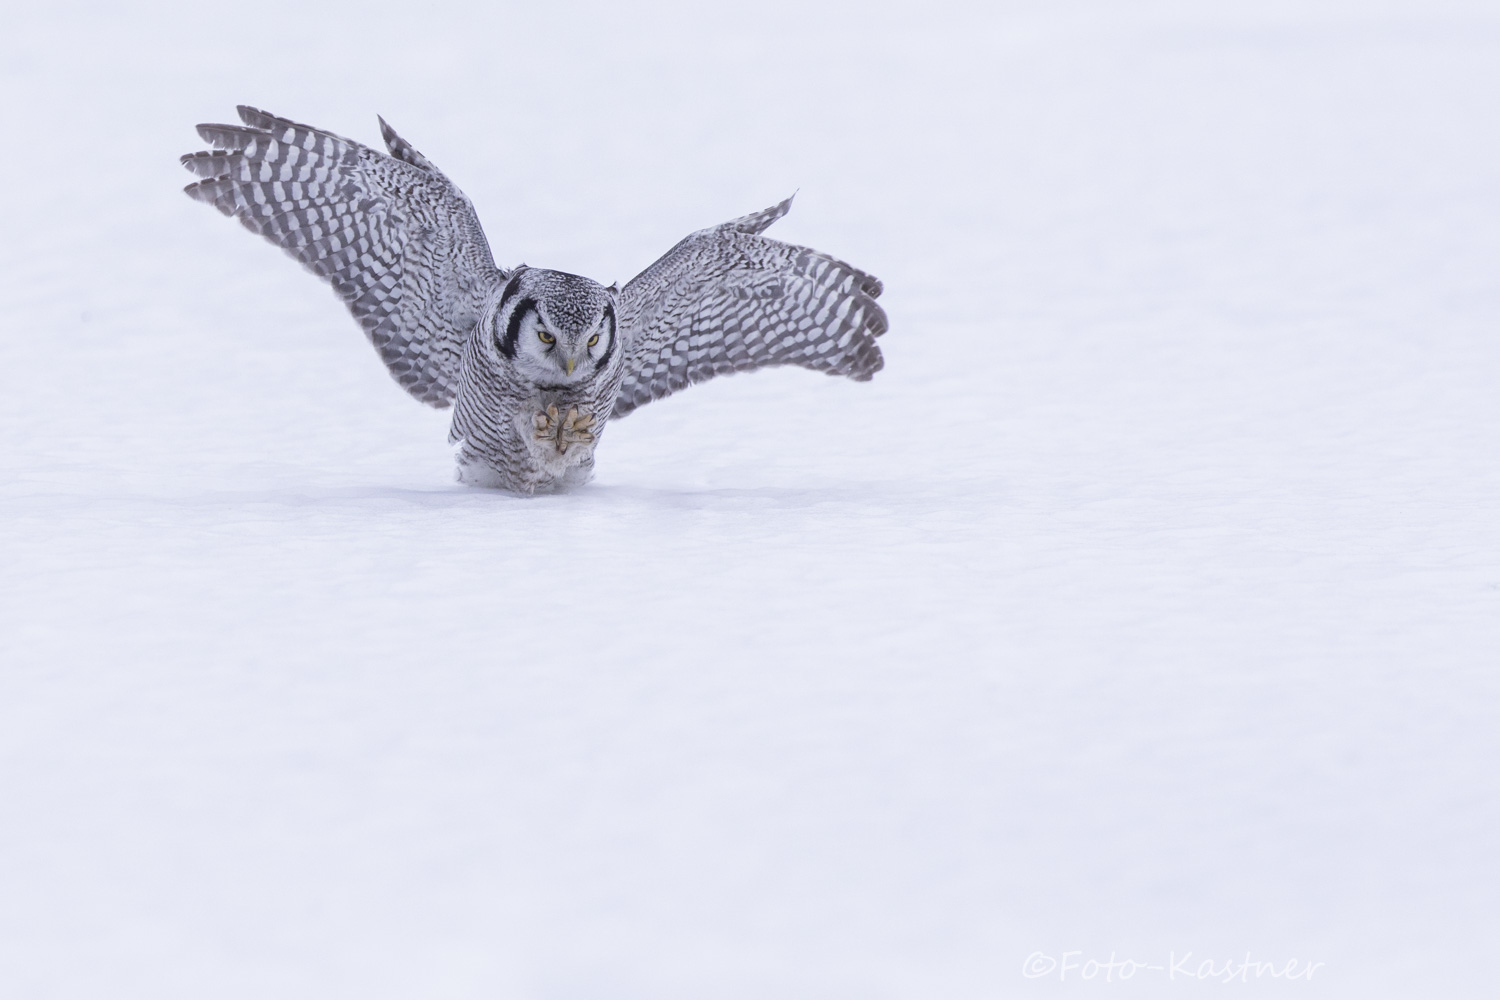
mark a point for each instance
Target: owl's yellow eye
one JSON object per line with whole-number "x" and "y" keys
{"x": 546, "y": 337}
{"x": 593, "y": 340}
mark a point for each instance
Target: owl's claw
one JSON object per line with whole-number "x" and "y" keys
{"x": 563, "y": 430}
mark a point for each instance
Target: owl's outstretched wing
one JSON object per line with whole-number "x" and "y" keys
{"x": 398, "y": 242}
{"x": 727, "y": 299}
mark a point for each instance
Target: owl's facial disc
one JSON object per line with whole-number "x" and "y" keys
{"x": 563, "y": 353}
{"x": 579, "y": 353}
{"x": 595, "y": 344}
{"x": 558, "y": 330}
{"x": 559, "y": 349}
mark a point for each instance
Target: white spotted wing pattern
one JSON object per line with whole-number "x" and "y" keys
{"x": 398, "y": 242}
{"x": 727, "y": 300}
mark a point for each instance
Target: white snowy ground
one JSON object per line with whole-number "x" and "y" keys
{"x": 1147, "y": 602}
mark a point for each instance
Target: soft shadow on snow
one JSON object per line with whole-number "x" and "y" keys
{"x": 223, "y": 499}
{"x": 596, "y": 496}
{"x": 884, "y": 495}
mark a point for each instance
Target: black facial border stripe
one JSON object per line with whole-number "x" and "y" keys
{"x": 609, "y": 314}
{"x": 507, "y": 343}
{"x": 508, "y": 291}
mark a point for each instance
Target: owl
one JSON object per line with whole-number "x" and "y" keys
{"x": 534, "y": 362}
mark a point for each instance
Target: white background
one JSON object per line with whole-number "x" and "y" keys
{"x": 1147, "y": 602}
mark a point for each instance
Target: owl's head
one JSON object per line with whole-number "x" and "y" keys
{"x": 558, "y": 328}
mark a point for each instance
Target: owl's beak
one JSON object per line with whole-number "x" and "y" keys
{"x": 570, "y": 364}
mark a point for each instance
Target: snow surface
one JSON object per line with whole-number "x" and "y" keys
{"x": 1147, "y": 602}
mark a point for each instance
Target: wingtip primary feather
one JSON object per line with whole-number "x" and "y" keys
{"x": 253, "y": 116}
{"x": 259, "y": 118}
{"x": 759, "y": 222}
{"x": 401, "y": 149}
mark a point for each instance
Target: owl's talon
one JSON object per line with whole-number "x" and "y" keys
{"x": 575, "y": 427}
{"x": 562, "y": 431}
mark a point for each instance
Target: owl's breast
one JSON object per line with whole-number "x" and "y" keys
{"x": 529, "y": 438}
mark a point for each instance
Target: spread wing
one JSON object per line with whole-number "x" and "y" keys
{"x": 398, "y": 242}
{"x": 727, "y": 300}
